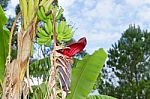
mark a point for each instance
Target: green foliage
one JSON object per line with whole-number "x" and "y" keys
{"x": 40, "y": 92}
{"x": 100, "y": 97}
{"x": 129, "y": 59}
{"x": 85, "y": 73}
{"x": 40, "y": 68}
{"x": 4, "y": 38}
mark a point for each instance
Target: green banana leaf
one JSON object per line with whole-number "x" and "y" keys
{"x": 85, "y": 74}
{"x": 100, "y": 97}
{"x": 40, "y": 92}
{"x": 4, "y": 39}
{"x": 40, "y": 68}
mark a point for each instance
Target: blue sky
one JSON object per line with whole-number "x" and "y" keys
{"x": 102, "y": 21}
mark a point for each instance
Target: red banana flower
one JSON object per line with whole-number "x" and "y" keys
{"x": 74, "y": 48}
{"x": 65, "y": 63}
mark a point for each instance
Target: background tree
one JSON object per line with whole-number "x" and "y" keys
{"x": 126, "y": 74}
{"x": 4, "y": 3}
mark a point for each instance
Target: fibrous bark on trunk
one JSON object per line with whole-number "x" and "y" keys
{"x": 15, "y": 71}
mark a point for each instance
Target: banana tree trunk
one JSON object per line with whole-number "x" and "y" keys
{"x": 15, "y": 71}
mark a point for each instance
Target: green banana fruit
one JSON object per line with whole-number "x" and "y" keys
{"x": 49, "y": 24}
{"x": 39, "y": 14}
{"x": 41, "y": 35}
{"x": 59, "y": 38}
{"x": 69, "y": 31}
{"x": 42, "y": 32}
{"x": 68, "y": 34}
{"x": 57, "y": 28}
{"x": 46, "y": 28}
{"x": 61, "y": 27}
{"x": 66, "y": 28}
{"x": 48, "y": 43}
{"x": 64, "y": 24}
{"x": 59, "y": 13}
{"x": 43, "y": 12}
{"x": 42, "y": 40}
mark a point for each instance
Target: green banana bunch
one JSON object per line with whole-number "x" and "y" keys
{"x": 56, "y": 11}
{"x": 44, "y": 10}
{"x": 64, "y": 31}
{"x": 45, "y": 34}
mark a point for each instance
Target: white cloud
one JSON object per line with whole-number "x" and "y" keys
{"x": 102, "y": 21}
{"x": 134, "y": 3}
{"x": 105, "y": 20}
{"x": 105, "y": 8}
{"x": 137, "y": 3}
{"x": 89, "y": 3}
{"x": 102, "y": 37}
{"x": 144, "y": 15}
{"x": 103, "y": 25}
{"x": 66, "y": 3}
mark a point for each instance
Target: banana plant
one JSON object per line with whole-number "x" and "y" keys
{"x": 61, "y": 58}
{"x": 85, "y": 71}
{"x": 15, "y": 70}
{"x": 58, "y": 32}
{"x": 65, "y": 81}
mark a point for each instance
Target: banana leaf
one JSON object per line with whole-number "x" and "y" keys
{"x": 4, "y": 39}
{"x": 84, "y": 75}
